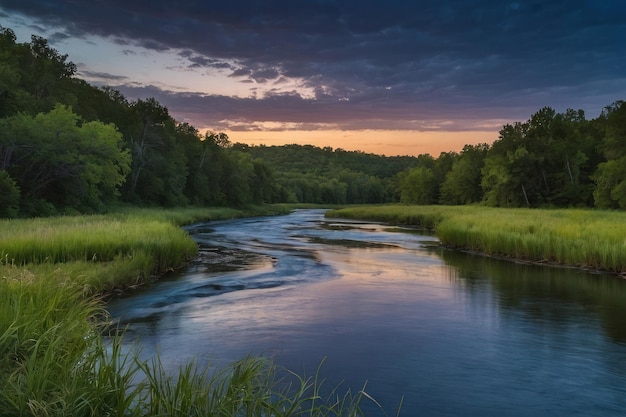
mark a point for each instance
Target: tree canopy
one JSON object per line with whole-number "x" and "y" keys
{"x": 67, "y": 146}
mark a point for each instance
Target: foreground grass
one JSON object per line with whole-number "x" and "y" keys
{"x": 574, "y": 237}
{"x": 53, "y": 362}
{"x": 53, "y": 358}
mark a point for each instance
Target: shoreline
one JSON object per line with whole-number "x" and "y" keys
{"x": 589, "y": 240}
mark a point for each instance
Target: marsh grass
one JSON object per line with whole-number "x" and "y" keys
{"x": 103, "y": 252}
{"x": 54, "y": 360}
{"x": 46, "y": 326}
{"x": 91, "y": 238}
{"x": 591, "y": 239}
{"x": 427, "y": 217}
{"x": 253, "y": 386}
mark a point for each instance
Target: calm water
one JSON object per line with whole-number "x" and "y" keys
{"x": 455, "y": 334}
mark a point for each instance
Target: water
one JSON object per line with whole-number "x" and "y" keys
{"x": 455, "y": 334}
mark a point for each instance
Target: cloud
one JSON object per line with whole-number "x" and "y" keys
{"x": 200, "y": 61}
{"x": 400, "y": 64}
{"x": 290, "y": 111}
{"x": 100, "y": 76}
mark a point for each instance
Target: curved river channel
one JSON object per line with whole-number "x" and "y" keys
{"x": 455, "y": 334}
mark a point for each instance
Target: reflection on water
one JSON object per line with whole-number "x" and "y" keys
{"x": 455, "y": 334}
{"x": 547, "y": 294}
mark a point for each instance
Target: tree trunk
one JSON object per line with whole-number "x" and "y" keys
{"x": 569, "y": 169}
{"x": 525, "y": 196}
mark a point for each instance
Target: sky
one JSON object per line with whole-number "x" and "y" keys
{"x": 388, "y": 77}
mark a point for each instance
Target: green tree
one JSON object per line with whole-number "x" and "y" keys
{"x": 442, "y": 166}
{"x": 9, "y": 196}
{"x": 610, "y": 190}
{"x": 544, "y": 161}
{"x": 159, "y": 166}
{"x": 9, "y": 73}
{"x": 610, "y": 177}
{"x": 235, "y": 181}
{"x": 419, "y": 186}
{"x": 613, "y": 120}
{"x": 462, "y": 184}
{"x": 56, "y": 158}
{"x": 30, "y": 74}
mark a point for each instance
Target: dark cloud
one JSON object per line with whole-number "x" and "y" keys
{"x": 241, "y": 72}
{"x": 101, "y": 75}
{"x": 370, "y": 62}
{"x": 58, "y": 37}
{"x": 291, "y": 111}
{"x": 200, "y": 61}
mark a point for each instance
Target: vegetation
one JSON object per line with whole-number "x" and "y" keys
{"x": 575, "y": 237}
{"x": 54, "y": 360}
{"x": 305, "y": 173}
{"x": 68, "y": 147}
{"x": 105, "y": 252}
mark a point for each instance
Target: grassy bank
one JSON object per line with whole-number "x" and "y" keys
{"x": 53, "y": 362}
{"x": 53, "y": 359}
{"x": 591, "y": 239}
{"x": 103, "y": 252}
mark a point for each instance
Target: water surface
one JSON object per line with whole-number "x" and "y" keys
{"x": 455, "y": 334}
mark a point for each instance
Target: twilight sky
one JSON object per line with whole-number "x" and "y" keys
{"x": 390, "y": 77}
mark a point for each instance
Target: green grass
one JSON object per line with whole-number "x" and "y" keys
{"x": 54, "y": 360}
{"x": 46, "y": 328}
{"x": 585, "y": 238}
{"x": 104, "y": 252}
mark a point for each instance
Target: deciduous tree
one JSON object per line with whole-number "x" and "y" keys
{"x": 56, "y": 158}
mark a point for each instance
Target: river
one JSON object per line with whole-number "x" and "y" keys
{"x": 453, "y": 333}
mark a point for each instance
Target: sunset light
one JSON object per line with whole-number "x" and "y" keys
{"x": 395, "y": 78}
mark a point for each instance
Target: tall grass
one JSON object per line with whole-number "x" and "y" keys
{"x": 427, "y": 217}
{"x": 575, "y": 237}
{"x": 249, "y": 387}
{"x": 54, "y": 360}
{"x": 46, "y": 329}
{"x": 103, "y": 252}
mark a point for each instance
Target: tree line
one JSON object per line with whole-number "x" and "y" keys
{"x": 551, "y": 160}
{"x": 67, "y": 146}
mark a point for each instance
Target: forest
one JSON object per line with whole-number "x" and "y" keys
{"x": 68, "y": 147}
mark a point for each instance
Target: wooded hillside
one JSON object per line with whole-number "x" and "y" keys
{"x": 67, "y": 146}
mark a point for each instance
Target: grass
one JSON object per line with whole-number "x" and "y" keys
{"x": 592, "y": 239}
{"x": 250, "y": 387}
{"x": 54, "y": 360}
{"x": 46, "y": 328}
{"x": 105, "y": 252}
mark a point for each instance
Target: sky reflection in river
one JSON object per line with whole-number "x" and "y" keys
{"x": 455, "y": 334}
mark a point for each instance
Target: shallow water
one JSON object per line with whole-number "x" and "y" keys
{"x": 455, "y": 334}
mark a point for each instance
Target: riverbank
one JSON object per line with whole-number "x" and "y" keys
{"x": 582, "y": 238}
{"x": 103, "y": 253}
{"x": 54, "y": 360}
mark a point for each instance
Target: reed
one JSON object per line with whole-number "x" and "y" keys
{"x": 585, "y": 238}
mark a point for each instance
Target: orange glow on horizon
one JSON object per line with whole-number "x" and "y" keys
{"x": 382, "y": 142}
